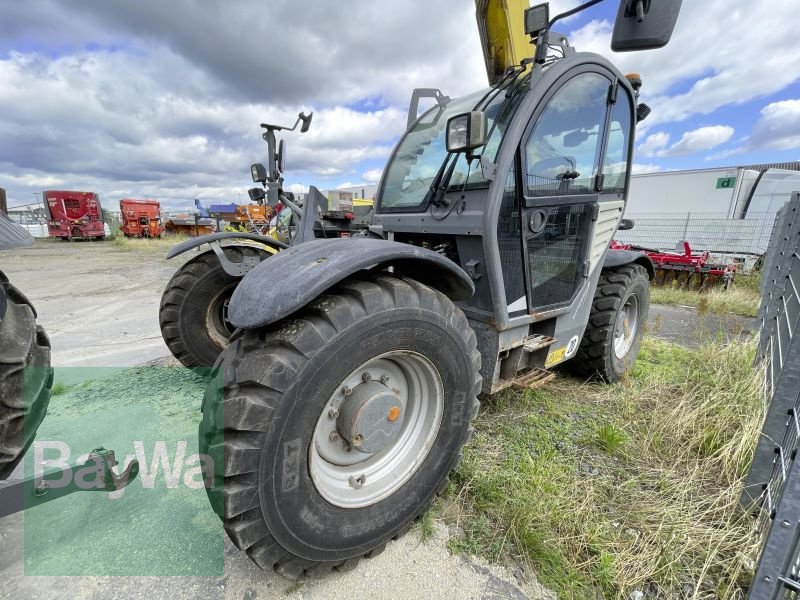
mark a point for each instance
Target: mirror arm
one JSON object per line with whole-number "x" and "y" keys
{"x": 541, "y": 48}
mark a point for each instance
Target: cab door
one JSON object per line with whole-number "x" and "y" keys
{"x": 568, "y": 213}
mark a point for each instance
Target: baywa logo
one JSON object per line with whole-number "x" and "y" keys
{"x": 193, "y": 471}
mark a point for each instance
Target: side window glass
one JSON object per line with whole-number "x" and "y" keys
{"x": 615, "y": 167}
{"x": 562, "y": 152}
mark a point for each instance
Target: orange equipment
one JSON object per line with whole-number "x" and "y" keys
{"x": 141, "y": 218}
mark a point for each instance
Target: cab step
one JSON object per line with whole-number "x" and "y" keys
{"x": 532, "y": 378}
{"x": 537, "y": 342}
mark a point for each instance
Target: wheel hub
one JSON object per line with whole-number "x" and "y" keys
{"x": 370, "y": 418}
{"x": 376, "y": 429}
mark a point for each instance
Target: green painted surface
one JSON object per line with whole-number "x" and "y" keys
{"x": 726, "y": 182}
{"x": 154, "y": 527}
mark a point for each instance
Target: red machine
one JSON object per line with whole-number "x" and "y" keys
{"x": 687, "y": 269}
{"x": 74, "y": 215}
{"x": 141, "y": 218}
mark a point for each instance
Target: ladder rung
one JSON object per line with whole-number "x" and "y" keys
{"x": 537, "y": 342}
{"x": 532, "y": 379}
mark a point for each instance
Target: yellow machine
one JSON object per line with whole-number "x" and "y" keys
{"x": 503, "y": 41}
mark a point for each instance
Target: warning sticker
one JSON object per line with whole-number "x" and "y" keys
{"x": 556, "y": 356}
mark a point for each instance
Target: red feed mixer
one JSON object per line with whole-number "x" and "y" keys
{"x": 687, "y": 270}
{"x": 74, "y": 215}
{"x": 141, "y": 218}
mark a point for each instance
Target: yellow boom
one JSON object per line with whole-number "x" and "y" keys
{"x": 502, "y": 29}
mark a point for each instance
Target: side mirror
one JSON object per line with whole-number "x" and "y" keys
{"x": 256, "y": 195}
{"x": 467, "y": 132}
{"x": 258, "y": 173}
{"x": 644, "y": 24}
{"x": 279, "y": 159}
{"x": 306, "y": 119}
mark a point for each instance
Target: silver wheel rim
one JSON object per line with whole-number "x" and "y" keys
{"x": 627, "y": 324}
{"x": 217, "y": 325}
{"x": 351, "y": 478}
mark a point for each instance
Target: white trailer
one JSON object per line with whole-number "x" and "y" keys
{"x": 729, "y": 212}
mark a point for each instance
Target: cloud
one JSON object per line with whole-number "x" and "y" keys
{"x": 164, "y": 99}
{"x": 372, "y": 176}
{"x": 704, "y": 66}
{"x": 697, "y": 140}
{"x": 640, "y": 169}
{"x": 653, "y": 143}
{"x": 778, "y": 128}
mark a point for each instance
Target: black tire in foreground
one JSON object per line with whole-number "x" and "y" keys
{"x": 617, "y": 321}
{"x": 349, "y": 366}
{"x": 193, "y": 311}
{"x": 25, "y": 375}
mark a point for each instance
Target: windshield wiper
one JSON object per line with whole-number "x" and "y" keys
{"x": 435, "y": 193}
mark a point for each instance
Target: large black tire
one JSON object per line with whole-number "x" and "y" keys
{"x": 273, "y": 385}
{"x": 25, "y": 375}
{"x": 617, "y": 288}
{"x": 191, "y": 314}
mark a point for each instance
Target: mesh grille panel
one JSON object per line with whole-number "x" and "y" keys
{"x": 556, "y": 254}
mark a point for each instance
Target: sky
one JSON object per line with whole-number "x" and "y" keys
{"x": 164, "y": 99}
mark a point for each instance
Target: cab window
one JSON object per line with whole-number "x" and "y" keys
{"x": 562, "y": 152}
{"x": 615, "y": 165}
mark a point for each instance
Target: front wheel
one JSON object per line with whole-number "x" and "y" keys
{"x": 25, "y": 375}
{"x": 617, "y": 320}
{"x": 332, "y": 430}
{"x": 194, "y": 306}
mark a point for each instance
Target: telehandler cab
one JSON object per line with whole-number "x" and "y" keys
{"x": 348, "y": 386}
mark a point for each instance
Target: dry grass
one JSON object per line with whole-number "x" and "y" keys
{"x": 147, "y": 244}
{"x": 606, "y": 490}
{"x": 743, "y": 298}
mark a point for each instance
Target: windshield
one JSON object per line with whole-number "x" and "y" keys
{"x": 421, "y": 154}
{"x": 422, "y": 151}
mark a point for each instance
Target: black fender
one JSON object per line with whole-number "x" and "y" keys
{"x": 225, "y": 235}
{"x": 292, "y": 278}
{"x": 618, "y": 258}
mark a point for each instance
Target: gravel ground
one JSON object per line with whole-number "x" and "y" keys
{"x": 100, "y": 306}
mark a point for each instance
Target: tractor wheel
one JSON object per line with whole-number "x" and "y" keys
{"x": 332, "y": 430}
{"x": 25, "y": 375}
{"x": 194, "y": 306}
{"x": 613, "y": 335}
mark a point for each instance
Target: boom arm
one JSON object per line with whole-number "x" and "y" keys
{"x": 503, "y": 39}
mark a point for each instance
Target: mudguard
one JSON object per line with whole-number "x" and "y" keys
{"x": 617, "y": 258}
{"x": 292, "y": 278}
{"x": 213, "y": 237}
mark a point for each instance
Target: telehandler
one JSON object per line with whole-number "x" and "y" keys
{"x": 353, "y": 359}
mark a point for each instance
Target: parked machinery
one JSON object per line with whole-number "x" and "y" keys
{"x": 141, "y": 218}
{"x": 685, "y": 268}
{"x": 74, "y": 215}
{"x": 348, "y": 386}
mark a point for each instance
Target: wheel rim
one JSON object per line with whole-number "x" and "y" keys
{"x": 376, "y": 429}
{"x": 626, "y": 327}
{"x": 218, "y": 326}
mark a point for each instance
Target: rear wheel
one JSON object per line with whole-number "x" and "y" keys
{"x": 332, "y": 430}
{"x": 194, "y": 306}
{"x": 25, "y": 375}
{"x": 613, "y": 335}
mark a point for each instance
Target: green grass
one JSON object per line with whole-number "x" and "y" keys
{"x": 605, "y": 490}
{"x": 743, "y": 298}
{"x": 58, "y": 388}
